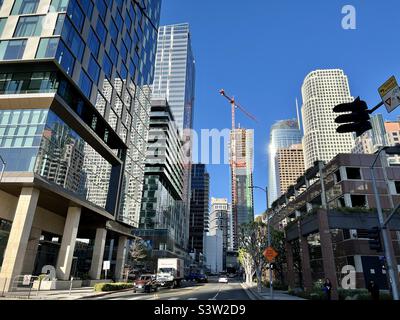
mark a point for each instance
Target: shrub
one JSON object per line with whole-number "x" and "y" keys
{"x": 107, "y": 287}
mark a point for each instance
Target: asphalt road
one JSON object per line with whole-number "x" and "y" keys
{"x": 208, "y": 291}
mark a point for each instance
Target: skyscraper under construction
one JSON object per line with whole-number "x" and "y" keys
{"x": 242, "y": 156}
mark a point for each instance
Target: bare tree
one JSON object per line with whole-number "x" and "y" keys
{"x": 253, "y": 239}
{"x": 137, "y": 250}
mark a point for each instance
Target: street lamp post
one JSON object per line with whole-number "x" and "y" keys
{"x": 392, "y": 268}
{"x": 271, "y": 287}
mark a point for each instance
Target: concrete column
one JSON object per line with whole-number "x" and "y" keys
{"x": 19, "y": 236}
{"x": 67, "y": 248}
{"x": 328, "y": 256}
{"x": 121, "y": 257}
{"x": 290, "y": 265}
{"x": 305, "y": 264}
{"x": 98, "y": 254}
{"x": 31, "y": 251}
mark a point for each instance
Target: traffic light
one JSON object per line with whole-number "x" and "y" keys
{"x": 375, "y": 242}
{"x": 357, "y": 117}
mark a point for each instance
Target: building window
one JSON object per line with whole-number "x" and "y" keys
{"x": 3, "y": 22}
{"x": 338, "y": 176}
{"x": 12, "y": 49}
{"x": 358, "y": 201}
{"x": 94, "y": 43}
{"x": 397, "y": 186}
{"x": 47, "y": 48}
{"x": 58, "y": 5}
{"x": 73, "y": 40}
{"x": 29, "y": 26}
{"x": 65, "y": 58}
{"x": 353, "y": 173}
{"x": 107, "y": 66}
{"x": 85, "y": 84}
{"x": 59, "y": 24}
{"x": 94, "y": 69}
{"x": 25, "y": 7}
{"x": 76, "y": 15}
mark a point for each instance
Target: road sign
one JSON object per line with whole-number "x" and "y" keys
{"x": 27, "y": 280}
{"x": 106, "y": 265}
{"x": 270, "y": 254}
{"x": 390, "y": 93}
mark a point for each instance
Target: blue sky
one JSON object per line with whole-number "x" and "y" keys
{"x": 261, "y": 50}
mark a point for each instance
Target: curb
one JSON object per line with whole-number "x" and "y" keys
{"x": 103, "y": 294}
{"x": 250, "y": 293}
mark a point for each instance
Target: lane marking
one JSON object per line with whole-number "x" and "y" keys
{"x": 175, "y": 298}
{"x": 193, "y": 299}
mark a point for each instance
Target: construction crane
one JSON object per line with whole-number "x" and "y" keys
{"x": 234, "y": 163}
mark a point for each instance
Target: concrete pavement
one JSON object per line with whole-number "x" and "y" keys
{"x": 265, "y": 294}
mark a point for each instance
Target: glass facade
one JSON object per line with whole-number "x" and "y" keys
{"x": 174, "y": 77}
{"x": 284, "y": 134}
{"x": 107, "y": 57}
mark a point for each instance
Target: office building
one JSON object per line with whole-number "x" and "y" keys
{"x": 290, "y": 165}
{"x": 174, "y": 80}
{"x": 284, "y": 134}
{"x": 74, "y": 109}
{"x": 162, "y": 221}
{"x": 322, "y": 90}
{"x": 199, "y": 209}
{"x": 220, "y": 221}
{"x": 242, "y": 148}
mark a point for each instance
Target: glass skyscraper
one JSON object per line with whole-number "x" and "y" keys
{"x": 174, "y": 77}
{"x": 284, "y": 134}
{"x": 75, "y": 88}
{"x": 174, "y": 80}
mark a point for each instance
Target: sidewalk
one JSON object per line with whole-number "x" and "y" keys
{"x": 76, "y": 294}
{"x": 265, "y": 294}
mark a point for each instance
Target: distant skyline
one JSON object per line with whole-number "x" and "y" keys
{"x": 261, "y": 53}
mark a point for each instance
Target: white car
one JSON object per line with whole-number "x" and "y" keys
{"x": 223, "y": 279}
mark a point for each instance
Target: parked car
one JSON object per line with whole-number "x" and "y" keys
{"x": 223, "y": 279}
{"x": 146, "y": 283}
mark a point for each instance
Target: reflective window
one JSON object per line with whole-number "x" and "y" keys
{"x": 28, "y": 82}
{"x": 107, "y": 66}
{"x": 94, "y": 69}
{"x": 58, "y": 5}
{"x": 3, "y": 22}
{"x": 20, "y": 136}
{"x": 113, "y": 53}
{"x": 59, "y": 24}
{"x": 101, "y": 30}
{"x": 94, "y": 43}
{"x": 73, "y": 40}
{"x": 85, "y": 84}
{"x": 65, "y": 58}
{"x": 101, "y": 6}
{"x": 12, "y": 49}
{"x": 47, "y": 48}
{"x": 29, "y": 26}
{"x": 76, "y": 15}
{"x": 25, "y": 6}
{"x": 113, "y": 31}
{"x": 87, "y": 6}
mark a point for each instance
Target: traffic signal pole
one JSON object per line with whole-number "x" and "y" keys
{"x": 390, "y": 259}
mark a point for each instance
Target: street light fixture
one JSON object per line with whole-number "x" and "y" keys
{"x": 271, "y": 288}
{"x": 392, "y": 268}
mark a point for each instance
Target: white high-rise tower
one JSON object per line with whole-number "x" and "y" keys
{"x": 323, "y": 90}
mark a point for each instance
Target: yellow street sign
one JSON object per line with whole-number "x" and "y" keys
{"x": 388, "y": 86}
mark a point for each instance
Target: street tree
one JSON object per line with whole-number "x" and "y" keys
{"x": 253, "y": 239}
{"x": 278, "y": 243}
{"x": 137, "y": 251}
{"x": 248, "y": 265}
